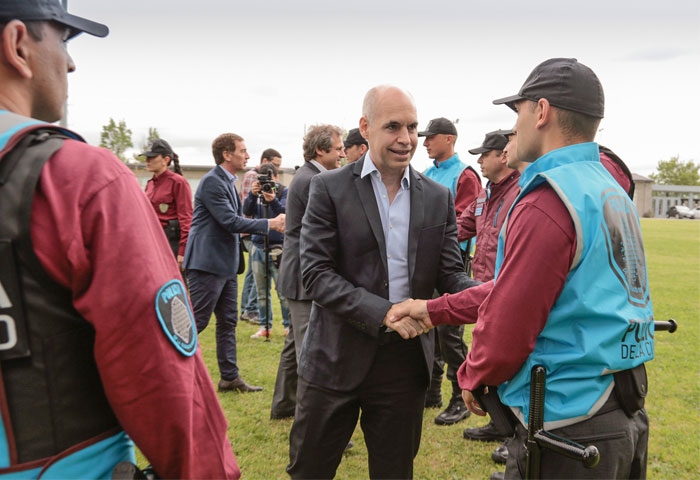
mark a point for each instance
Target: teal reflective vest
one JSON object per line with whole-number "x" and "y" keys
{"x": 602, "y": 321}
{"x": 447, "y": 173}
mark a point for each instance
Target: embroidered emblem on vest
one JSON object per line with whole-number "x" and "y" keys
{"x": 625, "y": 251}
{"x": 163, "y": 207}
{"x": 176, "y": 318}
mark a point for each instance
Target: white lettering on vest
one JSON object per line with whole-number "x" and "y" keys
{"x": 4, "y": 298}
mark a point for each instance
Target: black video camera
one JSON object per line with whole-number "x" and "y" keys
{"x": 267, "y": 184}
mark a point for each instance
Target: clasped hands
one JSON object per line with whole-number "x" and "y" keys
{"x": 278, "y": 223}
{"x": 409, "y": 318}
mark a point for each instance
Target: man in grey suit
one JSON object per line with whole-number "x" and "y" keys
{"x": 323, "y": 150}
{"x": 374, "y": 233}
{"x": 213, "y": 249}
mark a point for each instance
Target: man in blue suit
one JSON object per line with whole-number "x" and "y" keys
{"x": 212, "y": 256}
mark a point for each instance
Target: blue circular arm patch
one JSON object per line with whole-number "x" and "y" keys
{"x": 176, "y": 318}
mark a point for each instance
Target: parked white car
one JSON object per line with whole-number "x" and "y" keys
{"x": 677, "y": 211}
{"x": 694, "y": 213}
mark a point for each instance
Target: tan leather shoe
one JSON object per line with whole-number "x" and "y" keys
{"x": 237, "y": 385}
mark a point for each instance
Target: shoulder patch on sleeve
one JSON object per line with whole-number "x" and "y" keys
{"x": 176, "y": 318}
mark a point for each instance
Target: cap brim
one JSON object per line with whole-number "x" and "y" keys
{"x": 426, "y": 134}
{"x": 509, "y": 101}
{"x": 148, "y": 154}
{"x": 79, "y": 25}
{"x": 478, "y": 151}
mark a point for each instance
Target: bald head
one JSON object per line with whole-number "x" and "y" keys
{"x": 381, "y": 94}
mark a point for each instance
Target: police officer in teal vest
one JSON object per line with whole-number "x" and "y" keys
{"x": 571, "y": 291}
{"x": 98, "y": 348}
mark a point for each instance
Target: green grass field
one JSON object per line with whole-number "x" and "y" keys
{"x": 673, "y": 254}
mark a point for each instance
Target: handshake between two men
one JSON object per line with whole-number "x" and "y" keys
{"x": 409, "y": 319}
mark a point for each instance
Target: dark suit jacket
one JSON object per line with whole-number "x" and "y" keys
{"x": 213, "y": 242}
{"x": 344, "y": 269}
{"x": 289, "y": 276}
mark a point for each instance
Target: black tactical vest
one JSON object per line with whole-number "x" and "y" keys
{"x": 50, "y": 384}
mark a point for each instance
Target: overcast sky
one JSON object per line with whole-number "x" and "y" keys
{"x": 269, "y": 69}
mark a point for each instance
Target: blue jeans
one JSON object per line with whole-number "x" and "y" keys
{"x": 249, "y": 295}
{"x": 258, "y": 264}
{"x": 209, "y": 294}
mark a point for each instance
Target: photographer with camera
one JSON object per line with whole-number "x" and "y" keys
{"x": 267, "y": 198}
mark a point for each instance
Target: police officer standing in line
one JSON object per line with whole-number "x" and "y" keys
{"x": 587, "y": 306}
{"x": 464, "y": 184}
{"x": 170, "y": 194}
{"x": 102, "y": 346}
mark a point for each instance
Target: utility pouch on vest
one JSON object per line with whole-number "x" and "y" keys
{"x": 631, "y": 387}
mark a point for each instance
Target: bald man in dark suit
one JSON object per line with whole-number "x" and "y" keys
{"x": 374, "y": 233}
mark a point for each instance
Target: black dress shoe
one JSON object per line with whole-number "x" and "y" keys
{"x": 487, "y": 433}
{"x": 237, "y": 385}
{"x": 455, "y": 412}
{"x": 500, "y": 455}
{"x": 497, "y": 476}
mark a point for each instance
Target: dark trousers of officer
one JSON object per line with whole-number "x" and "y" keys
{"x": 451, "y": 349}
{"x": 172, "y": 232}
{"x": 621, "y": 440}
{"x": 389, "y": 404}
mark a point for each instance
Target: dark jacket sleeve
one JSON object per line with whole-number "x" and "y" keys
{"x": 334, "y": 271}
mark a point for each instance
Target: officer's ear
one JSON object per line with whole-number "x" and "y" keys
{"x": 17, "y": 47}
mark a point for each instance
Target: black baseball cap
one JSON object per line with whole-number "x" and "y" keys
{"x": 49, "y": 10}
{"x": 439, "y": 126}
{"x": 158, "y": 147}
{"x": 566, "y": 84}
{"x": 354, "y": 138}
{"x": 496, "y": 140}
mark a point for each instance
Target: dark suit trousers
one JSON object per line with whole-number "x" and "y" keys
{"x": 285, "y": 397}
{"x": 209, "y": 294}
{"x": 284, "y": 400}
{"x": 300, "y": 311}
{"x": 389, "y": 403}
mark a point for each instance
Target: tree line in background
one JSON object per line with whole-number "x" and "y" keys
{"x": 117, "y": 137}
{"x": 676, "y": 172}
